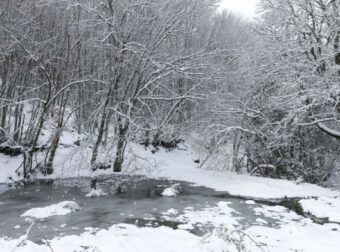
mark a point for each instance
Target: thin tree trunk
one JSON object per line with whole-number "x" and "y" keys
{"x": 56, "y": 138}
{"x": 17, "y": 123}
{"x": 236, "y": 148}
{"x": 121, "y": 143}
{"x": 101, "y": 127}
{"x": 3, "y": 124}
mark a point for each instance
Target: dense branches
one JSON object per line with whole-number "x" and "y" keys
{"x": 133, "y": 66}
{"x": 159, "y": 71}
{"x": 288, "y": 112}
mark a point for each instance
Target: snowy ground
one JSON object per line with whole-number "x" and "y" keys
{"x": 124, "y": 238}
{"x": 179, "y": 165}
{"x": 294, "y": 233}
{"x": 323, "y": 207}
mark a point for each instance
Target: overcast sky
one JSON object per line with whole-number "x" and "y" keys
{"x": 245, "y": 8}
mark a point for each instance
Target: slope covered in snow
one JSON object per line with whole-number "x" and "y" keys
{"x": 179, "y": 165}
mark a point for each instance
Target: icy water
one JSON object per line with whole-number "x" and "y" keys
{"x": 133, "y": 200}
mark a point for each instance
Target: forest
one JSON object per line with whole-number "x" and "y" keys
{"x": 105, "y": 87}
{"x": 160, "y": 71}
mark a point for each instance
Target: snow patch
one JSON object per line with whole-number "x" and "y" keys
{"x": 172, "y": 191}
{"x": 62, "y": 208}
{"x": 221, "y": 214}
{"x": 323, "y": 207}
{"x": 250, "y": 202}
{"x": 123, "y": 237}
{"x": 8, "y": 166}
{"x": 96, "y": 193}
{"x": 171, "y": 211}
{"x": 294, "y": 233}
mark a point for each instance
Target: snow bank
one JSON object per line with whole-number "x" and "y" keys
{"x": 175, "y": 165}
{"x": 8, "y": 165}
{"x": 179, "y": 165}
{"x": 294, "y": 233}
{"x": 123, "y": 237}
{"x": 62, "y": 208}
{"x": 323, "y": 207}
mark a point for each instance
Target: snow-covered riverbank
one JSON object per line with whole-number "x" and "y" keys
{"x": 176, "y": 165}
{"x": 293, "y": 231}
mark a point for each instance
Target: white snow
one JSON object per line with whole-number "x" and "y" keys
{"x": 178, "y": 165}
{"x": 294, "y": 233}
{"x": 250, "y": 202}
{"x": 323, "y": 207}
{"x": 171, "y": 211}
{"x": 330, "y": 131}
{"x": 171, "y": 191}
{"x": 123, "y": 238}
{"x": 221, "y": 214}
{"x": 8, "y": 165}
{"x": 291, "y": 232}
{"x": 260, "y": 220}
{"x": 69, "y": 137}
{"x": 62, "y": 208}
{"x": 96, "y": 193}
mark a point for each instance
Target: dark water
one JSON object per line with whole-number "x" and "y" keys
{"x": 128, "y": 199}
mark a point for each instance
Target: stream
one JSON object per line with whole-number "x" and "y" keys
{"x": 129, "y": 199}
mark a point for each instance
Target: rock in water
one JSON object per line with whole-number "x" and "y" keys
{"x": 172, "y": 191}
{"x": 96, "y": 193}
{"x": 62, "y": 208}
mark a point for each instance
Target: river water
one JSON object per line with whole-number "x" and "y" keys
{"x": 129, "y": 199}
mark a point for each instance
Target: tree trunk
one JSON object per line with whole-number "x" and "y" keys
{"x": 56, "y": 138}
{"x": 3, "y": 124}
{"x": 29, "y": 155}
{"x": 101, "y": 127}
{"x": 236, "y": 148}
{"x": 17, "y": 122}
{"x": 54, "y": 146}
{"x": 121, "y": 143}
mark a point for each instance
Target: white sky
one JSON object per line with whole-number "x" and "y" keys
{"x": 245, "y": 8}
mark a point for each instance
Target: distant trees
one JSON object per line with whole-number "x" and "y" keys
{"x": 288, "y": 112}
{"x": 36, "y": 76}
{"x": 131, "y": 66}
